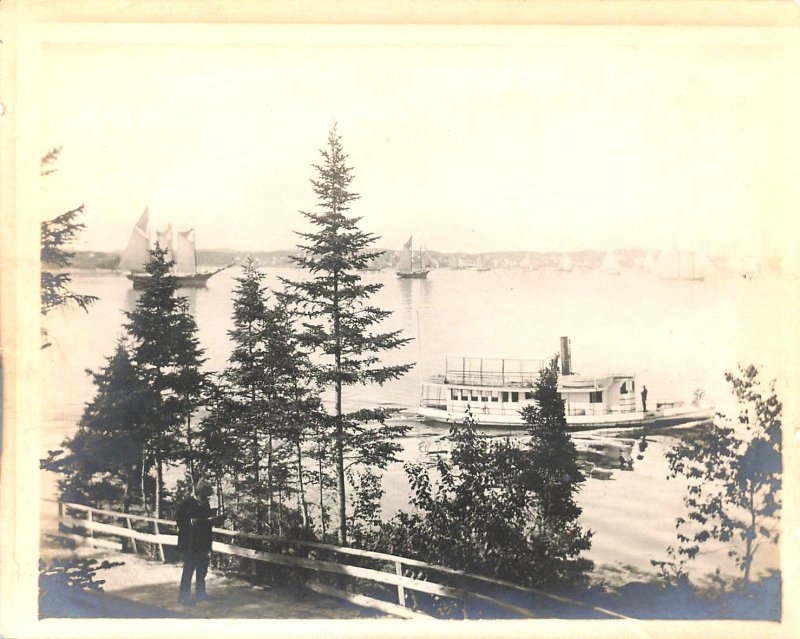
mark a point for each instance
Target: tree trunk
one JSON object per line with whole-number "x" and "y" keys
{"x": 301, "y": 490}
{"x": 256, "y": 480}
{"x": 238, "y": 492}
{"x": 321, "y": 501}
{"x": 126, "y": 502}
{"x": 159, "y": 483}
{"x": 751, "y": 531}
{"x": 145, "y": 504}
{"x": 339, "y": 425}
{"x": 190, "y": 452}
{"x": 340, "y": 478}
{"x": 270, "y": 488}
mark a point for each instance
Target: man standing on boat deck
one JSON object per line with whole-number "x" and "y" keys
{"x": 195, "y": 519}
{"x": 644, "y": 399}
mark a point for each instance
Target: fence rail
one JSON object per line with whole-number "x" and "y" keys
{"x": 397, "y": 577}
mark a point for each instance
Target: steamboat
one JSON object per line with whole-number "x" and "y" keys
{"x": 495, "y": 390}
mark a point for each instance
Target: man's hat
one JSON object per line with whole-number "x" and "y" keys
{"x": 203, "y": 485}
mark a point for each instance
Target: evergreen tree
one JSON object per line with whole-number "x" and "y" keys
{"x": 217, "y": 450}
{"x": 555, "y": 477}
{"x": 270, "y": 399}
{"x": 295, "y": 396}
{"x": 168, "y": 359}
{"x": 340, "y": 321}
{"x": 56, "y": 234}
{"x": 245, "y": 384}
{"x": 104, "y": 459}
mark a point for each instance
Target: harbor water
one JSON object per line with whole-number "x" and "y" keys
{"x": 675, "y": 336}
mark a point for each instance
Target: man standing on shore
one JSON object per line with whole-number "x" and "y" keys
{"x": 644, "y": 399}
{"x": 195, "y": 519}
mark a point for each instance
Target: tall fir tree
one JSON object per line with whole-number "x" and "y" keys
{"x": 340, "y": 323}
{"x": 271, "y": 402}
{"x": 102, "y": 466}
{"x": 554, "y": 478}
{"x": 245, "y": 384}
{"x": 295, "y": 397}
{"x": 168, "y": 360}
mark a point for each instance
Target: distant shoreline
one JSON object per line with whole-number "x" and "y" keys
{"x": 108, "y": 261}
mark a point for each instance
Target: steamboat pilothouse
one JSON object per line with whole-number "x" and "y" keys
{"x": 494, "y": 390}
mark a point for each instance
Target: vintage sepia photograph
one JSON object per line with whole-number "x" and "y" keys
{"x": 441, "y": 323}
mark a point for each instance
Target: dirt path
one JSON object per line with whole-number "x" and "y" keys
{"x": 143, "y": 588}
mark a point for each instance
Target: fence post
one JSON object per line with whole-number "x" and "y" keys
{"x": 159, "y": 544}
{"x": 133, "y": 540}
{"x": 401, "y": 592}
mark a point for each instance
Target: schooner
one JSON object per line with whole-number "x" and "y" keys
{"x": 180, "y": 249}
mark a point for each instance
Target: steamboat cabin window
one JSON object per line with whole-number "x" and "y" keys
{"x": 453, "y": 393}
{"x": 495, "y": 396}
{"x": 505, "y": 396}
{"x": 484, "y": 396}
{"x": 596, "y": 397}
{"x": 464, "y": 396}
{"x": 528, "y": 394}
{"x": 515, "y": 396}
{"x": 623, "y": 390}
{"x": 474, "y": 395}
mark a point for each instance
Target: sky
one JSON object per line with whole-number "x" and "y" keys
{"x": 470, "y": 144}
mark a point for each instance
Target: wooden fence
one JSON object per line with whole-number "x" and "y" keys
{"x": 83, "y": 524}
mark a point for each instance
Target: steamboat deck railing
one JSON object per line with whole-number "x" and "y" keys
{"x": 108, "y": 529}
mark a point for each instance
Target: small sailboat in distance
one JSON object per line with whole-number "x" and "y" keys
{"x": 410, "y": 268}
{"x": 610, "y": 264}
{"x": 649, "y": 262}
{"x": 682, "y": 265}
{"x": 566, "y": 263}
{"x": 180, "y": 249}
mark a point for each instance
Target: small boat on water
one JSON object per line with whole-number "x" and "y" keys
{"x": 566, "y": 263}
{"x": 610, "y": 264}
{"x": 181, "y": 250}
{"x": 413, "y": 266}
{"x": 494, "y": 390}
{"x": 682, "y": 265}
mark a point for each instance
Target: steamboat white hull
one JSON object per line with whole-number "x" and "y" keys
{"x": 660, "y": 417}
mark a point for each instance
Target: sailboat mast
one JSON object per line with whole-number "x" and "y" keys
{"x": 194, "y": 248}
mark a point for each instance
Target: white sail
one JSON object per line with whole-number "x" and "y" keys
{"x": 610, "y": 264}
{"x": 137, "y": 251}
{"x": 668, "y": 264}
{"x": 404, "y": 259}
{"x": 692, "y": 266}
{"x": 427, "y": 260}
{"x": 682, "y": 265}
{"x": 185, "y": 255}
{"x": 164, "y": 240}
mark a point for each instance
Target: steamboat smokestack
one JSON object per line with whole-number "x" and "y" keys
{"x": 566, "y": 357}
